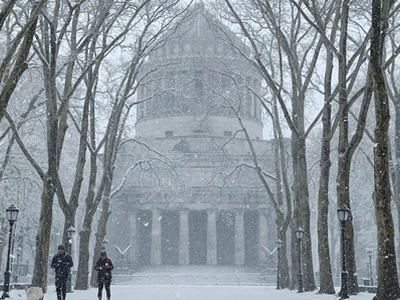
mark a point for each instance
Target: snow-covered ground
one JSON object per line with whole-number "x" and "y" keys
{"x": 157, "y": 292}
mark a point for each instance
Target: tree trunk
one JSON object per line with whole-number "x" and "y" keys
{"x": 343, "y": 183}
{"x": 92, "y": 203}
{"x": 344, "y": 151}
{"x": 39, "y": 277}
{"x": 325, "y": 269}
{"x": 388, "y": 284}
{"x": 100, "y": 235}
{"x": 395, "y": 157}
{"x": 351, "y": 258}
{"x": 326, "y": 281}
{"x": 293, "y": 257}
{"x": 302, "y": 208}
{"x": 82, "y": 276}
{"x": 282, "y": 169}
{"x": 284, "y": 264}
{"x": 50, "y": 179}
{"x": 81, "y": 282}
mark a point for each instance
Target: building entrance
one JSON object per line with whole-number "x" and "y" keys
{"x": 144, "y": 237}
{"x": 170, "y": 238}
{"x": 225, "y": 238}
{"x": 198, "y": 238}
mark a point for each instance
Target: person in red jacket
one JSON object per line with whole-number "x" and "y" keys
{"x": 104, "y": 267}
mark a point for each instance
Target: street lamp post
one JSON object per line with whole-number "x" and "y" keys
{"x": 70, "y": 232}
{"x": 16, "y": 272}
{"x": 104, "y": 244}
{"x": 343, "y": 214}
{"x": 299, "y": 235}
{"x": 12, "y": 215}
{"x": 278, "y": 271}
{"x": 371, "y": 278}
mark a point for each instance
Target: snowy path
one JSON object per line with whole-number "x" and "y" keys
{"x": 135, "y": 292}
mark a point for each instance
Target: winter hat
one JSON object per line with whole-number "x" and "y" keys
{"x": 103, "y": 253}
{"x": 61, "y": 247}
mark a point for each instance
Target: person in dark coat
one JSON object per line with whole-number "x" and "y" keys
{"x": 104, "y": 267}
{"x": 62, "y": 263}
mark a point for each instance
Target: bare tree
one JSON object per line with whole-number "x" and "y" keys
{"x": 394, "y": 97}
{"x": 288, "y": 44}
{"x": 153, "y": 19}
{"x": 388, "y": 284}
{"x": 50, "y": 41}
{"x": 346, "y": 145}
{"x": 326, "y": 280}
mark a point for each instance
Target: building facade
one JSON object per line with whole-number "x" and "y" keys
{"x": 191, "y": 194}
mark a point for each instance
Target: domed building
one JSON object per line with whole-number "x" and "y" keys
{"x": 192, "y": 195}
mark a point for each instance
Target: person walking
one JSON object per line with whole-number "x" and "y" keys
{"x": 62, "y": 264}
{"x": 104, "y": 267}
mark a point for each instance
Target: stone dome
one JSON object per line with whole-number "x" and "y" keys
{"x": 194, "y": 82}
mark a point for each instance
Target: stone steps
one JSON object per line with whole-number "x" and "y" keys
{"x": 195, "y": 275}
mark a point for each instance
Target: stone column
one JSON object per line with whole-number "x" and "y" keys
{"x": 184, "y": 237}
{"x": 211, "y": 237}
{"x": 156, "y": 238}
{"x": 263, "y": 238}
{"x": 133, "y": 239}
{"x": 239, "y": 238}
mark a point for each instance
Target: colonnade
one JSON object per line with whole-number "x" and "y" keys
{"x": 212, "y": 236}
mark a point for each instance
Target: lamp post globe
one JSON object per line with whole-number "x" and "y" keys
{"x": 278, "y": 268}
{"x": 343, "y": 215}
{"x": 12, "y": 215}
{"x": 70, "y": 233}
{"x": 104, "y": 244}
{"x": 299, "y": 236}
